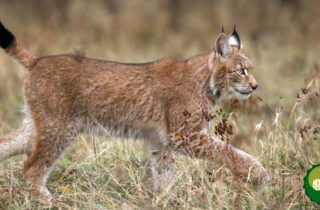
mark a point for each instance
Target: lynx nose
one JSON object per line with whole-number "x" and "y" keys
{"x": 255, "y": 87}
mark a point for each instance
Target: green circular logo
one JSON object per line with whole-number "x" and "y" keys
{"x": 312, "y": 183}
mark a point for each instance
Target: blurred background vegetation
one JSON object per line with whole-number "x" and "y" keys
{"x": 281, "y": 37}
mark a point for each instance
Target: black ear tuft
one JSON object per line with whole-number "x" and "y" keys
{"x": 222, "y": 29}
{"x": 6, "y": 37}
{"x": 234, "y": 39}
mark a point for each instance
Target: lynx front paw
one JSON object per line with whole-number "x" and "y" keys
{"x": 257, "y": 174}
{"x": 254, "y": 172}
{"x": 246, "y": 166}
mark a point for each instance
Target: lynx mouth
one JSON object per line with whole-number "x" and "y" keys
{"x": 244, "y": 92}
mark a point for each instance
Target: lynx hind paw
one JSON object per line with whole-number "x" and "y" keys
{"x": 42, "y": 194}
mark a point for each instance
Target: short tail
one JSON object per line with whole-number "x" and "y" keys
{"x": 9, "y": 43}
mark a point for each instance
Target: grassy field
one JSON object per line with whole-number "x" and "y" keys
{"x": 280, "y": 125}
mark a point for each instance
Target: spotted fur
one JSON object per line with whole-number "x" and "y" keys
{"x": 162, "y": 102}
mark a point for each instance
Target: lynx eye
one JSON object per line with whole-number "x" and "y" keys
{"x": 242, "y": 71}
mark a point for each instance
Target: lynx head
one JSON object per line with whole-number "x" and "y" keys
{"x": 231, "y": 69}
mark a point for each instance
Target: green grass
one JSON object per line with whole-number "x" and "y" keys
{"x": 117, "y": 176}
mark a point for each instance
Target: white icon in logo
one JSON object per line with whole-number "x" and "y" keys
{"x": 316, "y": 184}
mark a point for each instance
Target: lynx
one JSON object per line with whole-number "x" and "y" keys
{"x": 164, "y": 102}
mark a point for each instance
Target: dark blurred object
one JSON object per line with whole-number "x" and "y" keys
{"x": 252, "y": 105}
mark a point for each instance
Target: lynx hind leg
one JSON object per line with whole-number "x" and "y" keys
{"x": 162, "y": 168}
{"x": 50, "y": 142}
{"x": 17, "y": 142}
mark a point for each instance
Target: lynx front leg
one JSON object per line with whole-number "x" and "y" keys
{"x": 162, "y": 168}
{"x": 203, "y": 146}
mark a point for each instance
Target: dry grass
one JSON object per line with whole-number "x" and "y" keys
{"x": 281, "y": 37}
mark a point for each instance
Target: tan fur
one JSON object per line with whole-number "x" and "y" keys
{"x": 17, "y": 142}
{"x": 21, "y": 55}
{"x": 66, "y": 95}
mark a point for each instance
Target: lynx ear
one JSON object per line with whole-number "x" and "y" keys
{"x": 222, "y": 45}
{"x": 234, "y": 39}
